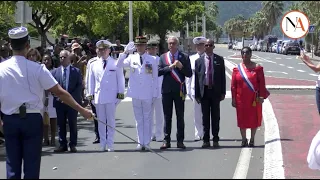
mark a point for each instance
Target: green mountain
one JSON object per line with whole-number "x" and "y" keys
{"x": 230, "y": 9}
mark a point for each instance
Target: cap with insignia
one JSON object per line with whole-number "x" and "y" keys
{"x": 140, "y": 40}
{"x": 18, "y": 33}
{"x": 152, "y": 44}
{"x": 75, "y": 46}
{"x": 199, "y": 40}
{"x": 103, "y": 44}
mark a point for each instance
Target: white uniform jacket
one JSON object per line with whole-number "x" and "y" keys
{"x": 106, "y": 83}
{"x": 88, "y": 75}
{"x": 143, "y": 84}
{"x": 190, "y": 82}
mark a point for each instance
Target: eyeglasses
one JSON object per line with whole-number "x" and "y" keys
{"x": 208, "y": 45}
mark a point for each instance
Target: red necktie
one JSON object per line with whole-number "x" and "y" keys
{"x": 172, "y": 60}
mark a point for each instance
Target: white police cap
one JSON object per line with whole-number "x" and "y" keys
{"x": 18, "y": 33}
{"x": 199, "y": 40}
{"x": 103, "y": 44}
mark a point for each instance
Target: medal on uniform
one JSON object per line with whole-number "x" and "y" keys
{"x": 148, "y": 68}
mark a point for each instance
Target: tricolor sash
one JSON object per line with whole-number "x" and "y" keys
{"x": 175, "y": 75}
{"x": 247, "y": 81}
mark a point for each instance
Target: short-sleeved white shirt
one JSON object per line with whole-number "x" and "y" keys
{"x": 23, "y": 81}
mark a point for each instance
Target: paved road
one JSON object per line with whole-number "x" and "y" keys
{"x": 278, "y": 65}
{"x": 193, "y": 162}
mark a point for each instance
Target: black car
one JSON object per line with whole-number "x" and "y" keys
{"x": 230, "y": 45}
{"x": 292, "y": 48}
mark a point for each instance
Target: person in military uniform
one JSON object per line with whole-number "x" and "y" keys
{"x": 106, "y": 83}
{"x": 198, "y": 127}
{"x": 142, "y": 87}
{"x": 157, "y": 109}
{"x": 22, "y": 83}
{"x": 96, "y": 131}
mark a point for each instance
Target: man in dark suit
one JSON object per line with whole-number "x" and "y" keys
{"x": 70, "y": 79}
{"x": 175, "y": 67}
{"x": 210, "y": 89}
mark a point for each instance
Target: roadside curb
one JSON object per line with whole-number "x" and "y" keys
{"x": 287, "y": 87}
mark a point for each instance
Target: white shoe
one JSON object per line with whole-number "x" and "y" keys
{"x": 110, "y": 150}
{"x": 139, "y": 147}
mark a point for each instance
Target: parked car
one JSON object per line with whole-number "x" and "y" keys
{"x": 291, "y": 48}
{"x": 274, "y": 48}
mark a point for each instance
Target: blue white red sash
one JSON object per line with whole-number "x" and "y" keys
{"x": 245, "y": 77}
{"x": 175, "y": 75}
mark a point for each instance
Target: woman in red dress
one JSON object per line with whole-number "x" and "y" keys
{"x": 248, "y": 91}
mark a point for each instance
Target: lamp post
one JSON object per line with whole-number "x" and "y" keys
{"x": 130, "y": 22}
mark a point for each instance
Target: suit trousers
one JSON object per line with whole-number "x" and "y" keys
{"x": 157, "y": 110}
{"x": 96, "y": 131}
{"x": 167, "y": 101}
{"x": 106, "y": 113}
{"x": 23, "y": 145}
{"x": 210, "y": 105}
{"x": 65, "y": 112}
{"x": 142, "y": 112}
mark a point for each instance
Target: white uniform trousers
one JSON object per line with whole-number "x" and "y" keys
{"x": 142, "y": 112}
{"x": 198, "y": 127}
{"x": 157, "y": 120}
{"x": 106, "y": 113}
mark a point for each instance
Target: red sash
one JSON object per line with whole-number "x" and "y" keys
{"x": 175, "y": 76}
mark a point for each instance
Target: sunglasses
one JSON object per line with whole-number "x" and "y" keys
{"x": 208, "y": 45}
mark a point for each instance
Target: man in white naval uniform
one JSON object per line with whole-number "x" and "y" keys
{"x": 106, "y": 84}
{"x": 142, "y": 87}
{"x": 157, "y": 108}
{"x": 198, "y": 127}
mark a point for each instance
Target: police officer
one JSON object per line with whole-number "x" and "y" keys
{"x": 198, "y": 127}
{"x": 22, "y": 83}
{"x": 97, "y": 139}
{"x": 157, "y": 109}
{"x": 142, "y": 88}
{"x": 106, "y": 82}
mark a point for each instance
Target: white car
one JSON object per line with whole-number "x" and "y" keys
{"x": 274, "y": 48}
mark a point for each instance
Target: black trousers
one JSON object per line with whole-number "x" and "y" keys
{"x": 167, "y": 102}
{"x": 210, "y": 105}
{"x": 95, "y": 121}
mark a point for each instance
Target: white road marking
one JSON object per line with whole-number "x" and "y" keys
{"x": 290, "y": 67}
{"x": 288, "y": 58}
{"x": 281, "y": 64}
{"x": 276, "y": 72}
{"x": 244, "y": 161}
{"x": 275, "y": 87}
{"x": 301, "y": 70}
{"x": 314, "y": 75}
{"x": 129, "y": 99}
{"x": 273, "y": 160}
{"x": 278, "y": 58}
{"x": 258, "y": 57}
{"x": 301, "y": 63}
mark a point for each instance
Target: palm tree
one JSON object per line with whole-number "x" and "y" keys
{"x": 273, "y": 10}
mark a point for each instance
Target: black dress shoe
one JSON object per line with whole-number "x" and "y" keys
{"x": 73, "y": 149}
{"x": 205, "y": 145}
{"x": 215, "y": 144}
{"x": 165, "y": 146}
{"x": 181, "y": 145}
{"x": 96, "y": 141}
{"x": 61, "y": 149}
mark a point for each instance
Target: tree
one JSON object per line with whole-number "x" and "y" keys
{"x": 171, "y": 16}
{"x": 218, "y": 33}
{"x": 272, "y": 10}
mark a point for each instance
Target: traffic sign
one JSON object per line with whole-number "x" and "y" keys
{"x": 23, "y": 12}
{"x": 311, "y": 28}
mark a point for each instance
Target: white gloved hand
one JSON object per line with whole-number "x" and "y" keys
{"x": 130, "y": 48}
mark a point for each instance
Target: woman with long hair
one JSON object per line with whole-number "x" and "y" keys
{"x": 248, "y": 91}
{"x": 34, "y": 55}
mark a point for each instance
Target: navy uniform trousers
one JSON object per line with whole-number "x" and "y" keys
{"x": 23, "y": 141}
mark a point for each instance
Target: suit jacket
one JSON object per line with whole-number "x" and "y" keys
{"x": 219, "y": 76}
{"x": 169, "y": 84}
{"x": 74, "y": 86}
